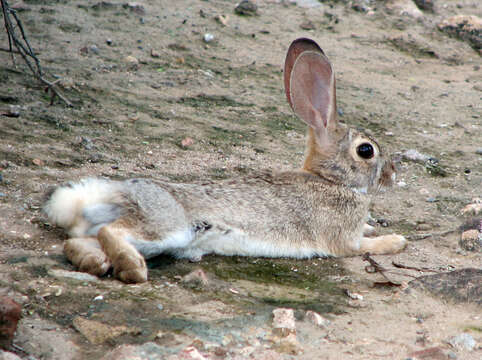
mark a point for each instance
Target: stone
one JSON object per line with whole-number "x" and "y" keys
{"x": 132, "y": 62}
{"x": 474, "y": 208}
{"x": 207, "y": 38}
{"x": 415, "y": 156}
{"x": 246, "y": 8}
{"x": 196, "y": 278}
{"x": 10, "y": 312}
{"x": 98, "y": 333}
{"x": 471, "y": 240}
{"x": 404, "y": 8}
{"x": 426, "y": 5}
{"x": 463, "y": 341}
{"x": 465, "y": 27}
{"x": 44, "y": 339}
{"x": 147, "y": 351}
{"x": 317, "y": 319}
{"x": 283, "y": 322}
{"x": 460, "y": 286}
{"x": 135, "y": 7}
{"x": 76, "y": 275}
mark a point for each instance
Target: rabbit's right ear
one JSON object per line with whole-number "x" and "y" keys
{"x": 310, "y": 86}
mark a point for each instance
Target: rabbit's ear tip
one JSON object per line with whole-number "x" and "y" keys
{"x": 296, "y": 48}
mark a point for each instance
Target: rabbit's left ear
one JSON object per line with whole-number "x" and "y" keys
{"x": 310, "y": 85}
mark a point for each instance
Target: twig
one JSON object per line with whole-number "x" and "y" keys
{"x": 402, "y": 266}
{"x": 417, "y": 237}
{"x": 375, "y": 267}
{"x": 25, "y": 50}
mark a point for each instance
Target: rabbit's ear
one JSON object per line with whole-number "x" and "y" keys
{"x": 310, "y": 85}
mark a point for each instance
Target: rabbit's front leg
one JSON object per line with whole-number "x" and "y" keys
{"x": 129, "y": 265}
{"x": 385, "y": 244}
{"x": 86, "y": 254}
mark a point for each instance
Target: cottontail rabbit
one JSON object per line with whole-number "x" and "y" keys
{"x": 318, "y": 210}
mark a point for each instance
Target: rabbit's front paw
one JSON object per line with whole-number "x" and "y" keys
{"x": 130, "y": 267}
{"x": 385, "y": 244}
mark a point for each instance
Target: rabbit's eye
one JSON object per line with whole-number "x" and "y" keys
{"x": 365, "y": 150}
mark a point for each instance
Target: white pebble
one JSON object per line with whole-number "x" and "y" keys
{"x": 208, "y": 37}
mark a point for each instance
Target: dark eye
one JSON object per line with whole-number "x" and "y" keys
{"x": 365, "y": 151}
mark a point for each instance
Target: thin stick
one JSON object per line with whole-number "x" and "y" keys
{"x": 25, "y": 50}
{"x": 403, "y": 266}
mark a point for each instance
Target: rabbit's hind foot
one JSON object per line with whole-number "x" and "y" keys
{"x": 86, "y": 254}
{"x": 129, "y": 265}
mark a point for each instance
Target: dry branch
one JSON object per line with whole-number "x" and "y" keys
{"x": 18, "y": 39}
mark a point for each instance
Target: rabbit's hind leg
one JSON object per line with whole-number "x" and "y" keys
{"x": 87, "y": 255}
{"x": 385, "y": 244}
{"x": 129, "y": 265}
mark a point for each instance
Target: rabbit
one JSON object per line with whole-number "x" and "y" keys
{"x": 319, "y": 210}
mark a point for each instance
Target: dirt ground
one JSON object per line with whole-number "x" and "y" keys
{"x": 142, "y": 79}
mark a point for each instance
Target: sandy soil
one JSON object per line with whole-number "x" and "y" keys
{"x": 142, "y": 79}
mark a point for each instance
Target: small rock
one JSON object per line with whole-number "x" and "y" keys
{"x": 186, "y": 142}
{"x": 463, "y": 341}
{"x": 10, "y": 312}
{"x": 98, "y": 333}
{"x": 13, "y": 111}
{"x": 430, "y": 353}
{"x": 308, "y": 25}
{"x": 471, "y": 240}
{"x": 460, "y": 286}
{"x": 361, "y": 6}
{"x": 402, "y": 184}
{"x": 317, "y": 319}
{"x": 132, "y": 62}
{"x": 191, "y": 353}
{"x": 283, "y": 322}
{"x": 423, "y": 227}
{"x": 109, "y": 42}
{"x": 404, "y": 8}
{"x": 353, "y": 295}
{"x": 94, "y": 49}
{"x": 196, "y": 278}
{"x": 135, "y": 7}
{"x": 423, "y": 191}
{"x": 208, "y": 37}
{"x": 80, "y": 276}
{"x": 155, "y": 53}
{"x": 414, "y": 155}
{"x": 478, "y": 151}
{"x": 38, "y": 162}
{"x": 427, "y": 5}
{"x": 246, "y": 8}
{"x": 465, "y": 27}
{"x": 473, "y": 208}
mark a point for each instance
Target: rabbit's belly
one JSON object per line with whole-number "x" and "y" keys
{"x": 193, "y": 245}
{"x": 236, "y": 242}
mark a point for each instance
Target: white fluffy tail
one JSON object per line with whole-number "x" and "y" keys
{"x": 68, "y": 205}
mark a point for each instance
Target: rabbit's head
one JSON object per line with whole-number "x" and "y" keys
{"x": 334, "y": 152}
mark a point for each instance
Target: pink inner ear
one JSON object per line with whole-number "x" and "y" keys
{"x": 297, "y": 47}
{"x": 312, "y": 90}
